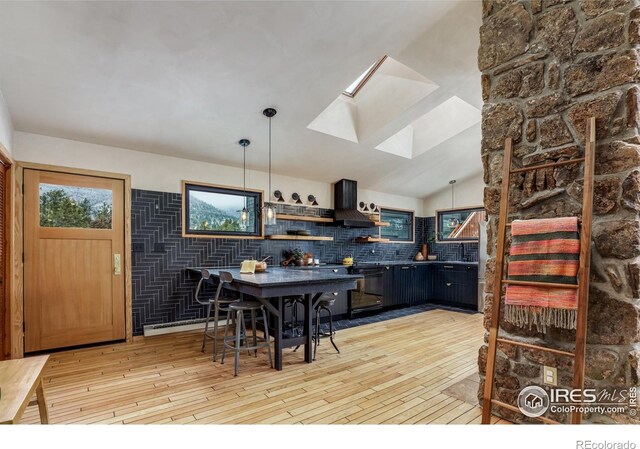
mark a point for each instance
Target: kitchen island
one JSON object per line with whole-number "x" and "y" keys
{"x": 271, "y": 286}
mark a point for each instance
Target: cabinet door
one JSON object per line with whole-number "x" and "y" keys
{"x": 420, "y": 281}
{"x": 404, "y": 284}
{"x": 388, "y": 287}
{"x": 470, "y": 297}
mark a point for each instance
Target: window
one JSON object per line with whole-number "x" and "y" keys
{"x": 64, "y": 206}
{"x": 359, "y": 83}
{"x": 401, "y": 225}
{"x": 214, "y": 211}
{"x": 459, "y": 224}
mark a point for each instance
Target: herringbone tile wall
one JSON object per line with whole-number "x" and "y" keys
{"x": 163, "y": 290}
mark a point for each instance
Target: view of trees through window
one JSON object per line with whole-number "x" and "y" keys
{"x": 400, "y": 227}
{"x": 214, "y": 210}
{"x": 75, "y": 207}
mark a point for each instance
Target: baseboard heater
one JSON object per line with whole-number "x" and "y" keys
{"x": 177, "y": 326}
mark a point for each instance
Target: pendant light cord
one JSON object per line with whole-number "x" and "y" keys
{"x": 269, "y": 193}
{"x": 244, "y": 174}
{"x": 452, "y": 183}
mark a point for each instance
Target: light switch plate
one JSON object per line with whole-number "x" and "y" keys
{"x": 550, "y": 375}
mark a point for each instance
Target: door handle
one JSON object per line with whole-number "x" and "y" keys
{"x": 117, "y": 268}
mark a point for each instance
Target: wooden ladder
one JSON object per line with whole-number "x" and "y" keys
{"x": 583, "y": 277}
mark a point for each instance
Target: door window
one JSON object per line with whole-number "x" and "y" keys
{"x": 63, "y": 206}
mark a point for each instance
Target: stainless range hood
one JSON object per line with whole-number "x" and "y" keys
{"x": 345, "y": 198}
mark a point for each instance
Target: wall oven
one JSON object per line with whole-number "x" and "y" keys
{"x": 369, "y": 293}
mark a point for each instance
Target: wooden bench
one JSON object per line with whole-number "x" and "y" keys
{"x": 19, "y": 380}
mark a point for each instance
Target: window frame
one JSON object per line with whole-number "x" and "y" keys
{"x": 366, "y": 76}
{"x": 413, "y": 224}
{"x": 456, "y": 209}
{"x": 218, "y": 188}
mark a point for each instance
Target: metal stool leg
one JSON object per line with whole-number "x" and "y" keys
{"x": 239, "y": 321}
{"x": 244, "y": 335}
{"x": 224, "y": 338}
{"x": 316, "y": 339}
{"x": 253, "y": 329}
{"x": 294, "y": 318}
{"x": 266, "y": 334}
{"x": 206, "y": 326}
{"x": 216, "y": 316}
{"x": 331, "y": 329}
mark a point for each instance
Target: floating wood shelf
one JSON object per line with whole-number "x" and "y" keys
{"x": 371, "y": 240}
{"x": 300, "y": 237}
{"x": 304, "y": 218}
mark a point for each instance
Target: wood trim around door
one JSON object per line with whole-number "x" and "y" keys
{"x": 17, "y": 297}
{"x": 5, "y": 326}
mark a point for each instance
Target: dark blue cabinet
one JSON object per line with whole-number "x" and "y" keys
{"x": 454, "y": 284}
{"x": 403, "y": 280}
{"x": 411, "y": 283}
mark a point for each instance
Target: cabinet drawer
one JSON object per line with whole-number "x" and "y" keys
{"x": 454, "y": 277}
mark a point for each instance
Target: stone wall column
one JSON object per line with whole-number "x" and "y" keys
{"x": 547, "y": 66}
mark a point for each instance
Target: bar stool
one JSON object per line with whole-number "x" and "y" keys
{"x": 293, "y": 302}
{"x": 219, "y": 303}
{"x": 234, "y": 343}
{"x": 324, "y": 304}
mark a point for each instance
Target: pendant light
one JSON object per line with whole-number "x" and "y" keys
{"x": 269, "y": 211}
{"x": 244, "y": 214}
{"x": 453, "y": 222}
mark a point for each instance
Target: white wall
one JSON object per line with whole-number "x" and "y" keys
{"x": 6, "y": 127}
{"x": 164, "y": 173}
{"x": 467, "y": 192}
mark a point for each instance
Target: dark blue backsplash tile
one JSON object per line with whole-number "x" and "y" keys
{"x": 162, "y": 290}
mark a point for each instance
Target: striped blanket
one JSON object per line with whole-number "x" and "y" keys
{"x": 546, "y": 250}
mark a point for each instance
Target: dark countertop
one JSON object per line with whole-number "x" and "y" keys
{"x": 276, "y": 276}
{"x": 412, "y": 262}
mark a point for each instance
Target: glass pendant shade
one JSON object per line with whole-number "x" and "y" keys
{"x": 244, "y": 218}
{"x": 269, "y": 214}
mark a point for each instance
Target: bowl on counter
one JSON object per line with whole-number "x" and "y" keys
{"x": 261, "y": 267}
{"x": 432, "y": 257}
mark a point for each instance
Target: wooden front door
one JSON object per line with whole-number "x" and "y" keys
{"x": 74, "y": 282}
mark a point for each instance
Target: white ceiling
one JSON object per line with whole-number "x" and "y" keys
{"x": 191, "y": 79}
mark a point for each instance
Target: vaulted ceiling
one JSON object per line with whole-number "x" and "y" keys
{"x": 191, "y": 79}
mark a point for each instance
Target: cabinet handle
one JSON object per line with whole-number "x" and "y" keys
{"x": 335, "y": 293}
{"x": 335, "y": 270}
{"x": 387, "y": 268}
{"x": 405, "y": 268}
{"x": 447, "y": 266}
{"x": 448, "y": 284}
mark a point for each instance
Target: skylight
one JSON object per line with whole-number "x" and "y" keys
{"x": 354, "y": 87}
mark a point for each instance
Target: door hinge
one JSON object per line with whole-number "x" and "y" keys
{"x": 24, "y": 327}
{"x": 23, "y": 257}
{"x": 23, "y": 188}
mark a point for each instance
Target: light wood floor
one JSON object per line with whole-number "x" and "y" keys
{"x": 389, "y": 372}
